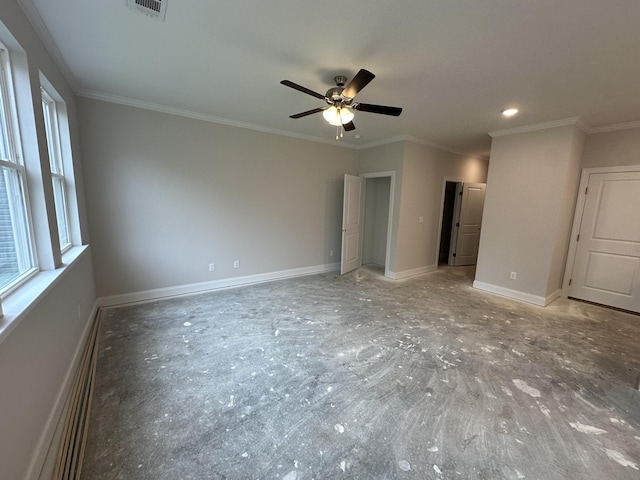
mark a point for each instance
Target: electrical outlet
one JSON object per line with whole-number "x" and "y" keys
{"x": 331, "y": 253}
{"x": 212, "y": 267}
{"x": 236, "y": 264}
{"x": 513, "y": 275}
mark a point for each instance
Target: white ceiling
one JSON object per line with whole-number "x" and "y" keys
{"x": 453, "y": 65}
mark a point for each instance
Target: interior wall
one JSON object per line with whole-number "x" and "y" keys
{"x": 565, "y": 211}
{"x": 35, "y": 359}
{"x": 612, "y": 149}
{"x": 376, "y": 220}
{"x": 387, "y": 158}
{"x": 171, "y": 195}
{"x": 419, "y": 175}
{"x": 531, "y": 192}
{"x": 425, "y": 169}
{"x": 36, "y": 356}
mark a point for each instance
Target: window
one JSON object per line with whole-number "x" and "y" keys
{"x": 52, "y": 129}
{"x": 16, "y": 241}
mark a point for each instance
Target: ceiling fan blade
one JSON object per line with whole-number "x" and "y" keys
{"x": 302, "y": 89}
{"x": 357, "y": 83}
{"x": 308, "y": 112}
{"x": 383, "y": 109}
{"x": 348, "y": 127}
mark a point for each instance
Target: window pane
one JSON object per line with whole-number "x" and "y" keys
{"x": 47, "y": 128}
{"x": 51, "y": 129}
{"x": 61, "y": 210}
{"x": 15, "y": 251}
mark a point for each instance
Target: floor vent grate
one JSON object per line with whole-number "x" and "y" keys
{"x": 71, "y": 450}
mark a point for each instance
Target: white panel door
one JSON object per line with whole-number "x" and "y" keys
{"x": 467, "y": 223}
{"x": 352, "y": 223}
{"x": 607, "y": 263}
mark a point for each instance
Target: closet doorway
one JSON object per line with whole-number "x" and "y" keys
{"x": 378, "y": 214}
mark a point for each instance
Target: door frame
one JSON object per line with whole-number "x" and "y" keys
{"x": 460, "y": 208}
{"x": 442, "y": 196}
{"x": 577, "y": 217}
{"x": 391, "y": 174}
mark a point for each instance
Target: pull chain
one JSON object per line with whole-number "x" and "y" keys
{"x": 339, "y": 127}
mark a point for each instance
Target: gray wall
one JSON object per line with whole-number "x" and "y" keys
{"x": 36, "y": 361}
{"x": 531, "y": 192}
{"x": 612, "y": 149}
{"x": 376, "y": 220}
{"x": 168, "y": 195}
{"x": 420, "y": 171}
{"x": 36, "y": 356}
{"x": 387, "y": 158}
{"x": 425, "y": 169}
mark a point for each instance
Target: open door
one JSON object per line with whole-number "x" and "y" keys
{"x": 465, "y": 238}
{"x": 352, "y": 223}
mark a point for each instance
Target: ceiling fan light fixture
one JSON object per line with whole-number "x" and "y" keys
{"x": 337, "y": 117}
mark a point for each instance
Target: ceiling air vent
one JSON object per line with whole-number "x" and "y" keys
{"x": 153, "y": 8}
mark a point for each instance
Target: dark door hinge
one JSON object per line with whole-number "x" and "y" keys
{"x": 570, "y": 280}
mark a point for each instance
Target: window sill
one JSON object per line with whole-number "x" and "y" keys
{"x": 22, "y": 300}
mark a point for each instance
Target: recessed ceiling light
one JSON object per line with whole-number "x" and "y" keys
{"x": 510, "y": 112}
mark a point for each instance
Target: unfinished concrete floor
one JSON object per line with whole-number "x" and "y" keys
{"x": 359, "y": 377}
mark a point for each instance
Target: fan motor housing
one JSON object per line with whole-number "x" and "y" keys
{"x": 335, "y": 93}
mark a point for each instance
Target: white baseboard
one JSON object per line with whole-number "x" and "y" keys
{"x": 190, "y": 289}
{"x": 46, "y": 450}
{"x": 413, "y": 272}
{"x": 516, "y": 294}
{"x": 552, "y": 296}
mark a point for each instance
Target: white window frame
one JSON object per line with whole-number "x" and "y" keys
{"x": 56, "y": 163}
{"x": 27, "y": 255}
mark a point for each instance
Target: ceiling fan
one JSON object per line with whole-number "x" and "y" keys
{"x": 340, "y": 102}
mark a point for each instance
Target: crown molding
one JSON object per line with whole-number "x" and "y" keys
{"x": 615, "y": 127}
{"x": 420, "y": 141}
{"x": 130, "y": 102}
{"x": 437, "y": 146}
{"x": 380, "y": 143}
{"x": 33, "y": 15}
{"x": 576, "y": 121}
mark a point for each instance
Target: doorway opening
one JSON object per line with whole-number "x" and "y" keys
{"x": 376, "y": 221}
{"x": 462, "y": 207}
{"x": 367, "y": 220}
{"x": 448, "y": 209}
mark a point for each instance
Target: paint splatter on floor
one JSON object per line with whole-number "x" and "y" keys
{"x": 523, "y": 387}
{"x": 621, "y": 459}
{"x": 359, "y": 377}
